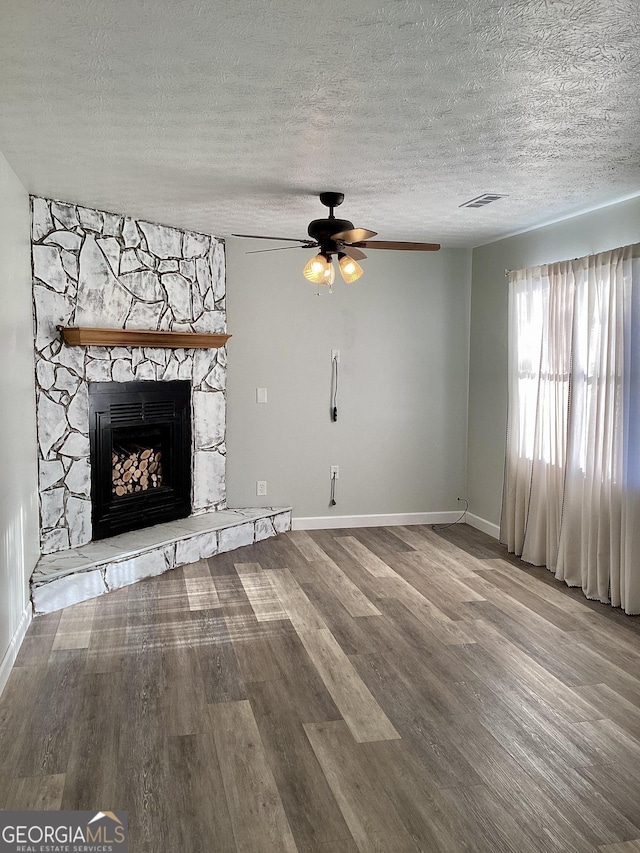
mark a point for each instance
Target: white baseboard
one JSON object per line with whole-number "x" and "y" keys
{"x": 14, "y": 646}
{"x": 325, "y": 522}
{"x": 482, "y": 524}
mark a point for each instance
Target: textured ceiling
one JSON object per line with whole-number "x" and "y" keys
{"x": 231, "y": 116}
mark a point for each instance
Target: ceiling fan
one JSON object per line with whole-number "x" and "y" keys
{"x": 338, "y": 237}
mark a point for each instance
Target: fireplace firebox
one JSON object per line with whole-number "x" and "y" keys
{"x": 140, "y": 446}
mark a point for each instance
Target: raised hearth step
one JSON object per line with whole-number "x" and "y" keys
{"x": 68, "y": 577}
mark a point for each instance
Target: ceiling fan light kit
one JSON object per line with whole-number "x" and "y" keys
{"x": 339, "y": 237}
{"x": 317, "y": 268}
{"x": 329, "y": 277}
{"x": 349, "y": 268}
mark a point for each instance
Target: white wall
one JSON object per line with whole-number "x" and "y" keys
{"x": 403, "y": 334}
{"x": 607, "y": 228}
{"x": 18, "y": 486}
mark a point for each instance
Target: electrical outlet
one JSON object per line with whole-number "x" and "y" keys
{"x": 261, "y": 487}
{"x": 335, "y": 355}
{"x": 261, "y": 395}
{"x": 335, "y": 471}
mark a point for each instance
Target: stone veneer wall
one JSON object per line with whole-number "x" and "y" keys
{"x": 93, "y": 268}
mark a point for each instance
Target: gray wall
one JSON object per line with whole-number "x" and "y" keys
{"x": 607, "y": 228}
{"x": 18, "y": 484}
{"x": 403, "y": 334}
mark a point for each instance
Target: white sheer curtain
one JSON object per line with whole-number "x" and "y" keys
{"x": 571, "y": 497}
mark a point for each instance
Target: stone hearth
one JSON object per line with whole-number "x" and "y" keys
{"x": 81, "y": 573}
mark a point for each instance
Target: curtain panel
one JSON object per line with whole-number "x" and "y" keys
{"x": 571, "y": 498}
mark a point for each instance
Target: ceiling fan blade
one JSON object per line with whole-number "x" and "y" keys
{"x": 353, "y": 253}
{"x": 353, "y": 235}
{"x": 288, "y": 239}
{"x": 279, "y": 249}
{"x": 399, "y": 246}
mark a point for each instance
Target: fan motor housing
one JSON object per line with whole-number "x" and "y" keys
{"x": 322, "y": 230}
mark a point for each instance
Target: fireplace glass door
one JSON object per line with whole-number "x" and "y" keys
{"x": 140, "y": 437}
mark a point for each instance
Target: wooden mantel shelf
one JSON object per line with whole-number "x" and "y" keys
{"x": 75, "y": 336}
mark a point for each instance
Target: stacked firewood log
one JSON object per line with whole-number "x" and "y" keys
{"x": 135, "y": 469}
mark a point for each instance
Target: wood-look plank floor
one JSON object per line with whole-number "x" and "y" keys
{"x": 392, "y": 689}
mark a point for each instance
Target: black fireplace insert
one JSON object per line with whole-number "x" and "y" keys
{"x": 140, "y": 444}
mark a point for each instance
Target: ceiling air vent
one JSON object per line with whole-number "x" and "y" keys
{"x": 481, "y": 200}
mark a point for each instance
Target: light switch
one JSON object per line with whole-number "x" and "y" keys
{"x": 261, "y": 395}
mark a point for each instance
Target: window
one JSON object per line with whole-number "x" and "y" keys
{"x": 572, "y": 468}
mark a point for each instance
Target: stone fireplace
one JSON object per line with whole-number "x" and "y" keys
{"x": 163, "y": 290}
{"x": 93, "y": 268}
